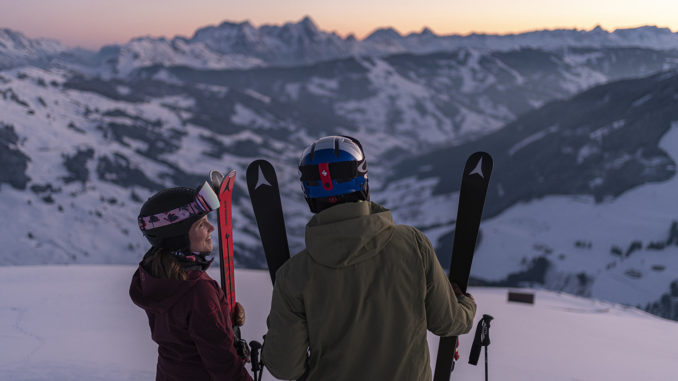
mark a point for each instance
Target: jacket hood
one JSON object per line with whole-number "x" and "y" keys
{"x": 347, "y": 234}
{"x": 158, "y": 295}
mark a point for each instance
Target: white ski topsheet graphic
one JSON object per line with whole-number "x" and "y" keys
{"x": 478, "y": 170}
{"x": 261, "y": 180}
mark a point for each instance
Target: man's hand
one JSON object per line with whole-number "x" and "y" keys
{"x": 457, "y": 291}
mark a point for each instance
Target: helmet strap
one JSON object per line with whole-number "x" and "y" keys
{"x": 192, "y": 261}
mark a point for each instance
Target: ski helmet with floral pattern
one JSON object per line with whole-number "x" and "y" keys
{"x": 167, "y": 216}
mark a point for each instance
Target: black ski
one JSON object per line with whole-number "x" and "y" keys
{"x": 262, "y": 184}
{"x": 471, "y": 200}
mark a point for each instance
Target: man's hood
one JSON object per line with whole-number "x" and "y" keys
{"x": 347, "y": 234}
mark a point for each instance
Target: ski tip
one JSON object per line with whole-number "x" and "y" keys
{"x": 479, "y": 163}
{"x": 483, "y": 154}
{"x": 258, "y": 164}
{"x": 254, "y": 170}
{"x": 216, "y": 178}
{"x": 227, "y": 182}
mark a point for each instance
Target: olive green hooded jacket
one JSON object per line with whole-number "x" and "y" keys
{"x": 358, "y": 301}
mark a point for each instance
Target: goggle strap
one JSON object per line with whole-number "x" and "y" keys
{"x": 339, "y": 170}
{"x": 200, "y": 205}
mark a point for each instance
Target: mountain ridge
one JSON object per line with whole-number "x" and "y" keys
{"x": 242, "y": 45}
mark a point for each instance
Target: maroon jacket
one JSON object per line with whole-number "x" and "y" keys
{"x": 189, "y": 322}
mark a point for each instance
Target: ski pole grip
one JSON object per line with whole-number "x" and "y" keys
{"x": 481, "y": 339}
{"x": 485, "y": 336}
{"x": 255, "y": 348}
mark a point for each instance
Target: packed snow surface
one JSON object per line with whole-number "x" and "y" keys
{"x": 78, "y": 323}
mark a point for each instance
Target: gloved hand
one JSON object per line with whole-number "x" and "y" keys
{"x": 239, "y": 315}
{"x": 457, "y": 291}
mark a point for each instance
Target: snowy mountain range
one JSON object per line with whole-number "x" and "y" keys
{"x": 241, "y": 45}
{"x": 580, "y": 125}
{"x": 16, "y": 49}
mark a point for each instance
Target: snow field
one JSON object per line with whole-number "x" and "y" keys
{"x": 78, "y": 323}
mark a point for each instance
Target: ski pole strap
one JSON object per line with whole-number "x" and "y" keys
{"x": 481, "y": 339}
{"x": 241, "y": 345}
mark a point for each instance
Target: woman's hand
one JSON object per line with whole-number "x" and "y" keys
{"x": 239, "y": 315}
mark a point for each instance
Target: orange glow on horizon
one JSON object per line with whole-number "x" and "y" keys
{"x": 93, "y": 23}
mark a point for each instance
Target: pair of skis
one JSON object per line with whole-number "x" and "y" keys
{"x": 262, "y": 184}
{"x": 223, "y": 187}
{"x": 268, "y": 211}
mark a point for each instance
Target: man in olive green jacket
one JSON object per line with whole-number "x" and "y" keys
{"x": 357, "y": 302}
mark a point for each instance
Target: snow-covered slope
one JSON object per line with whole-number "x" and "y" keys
{"x": 17, "y": 49}
{"x": 81, "y": 164}
{"x": 63, "y": 323}
{"x": 632, "y": 260}
{"x": 120, "y": 61}
{"x": 582, "y": 196}
{"x": 83, "y": 153}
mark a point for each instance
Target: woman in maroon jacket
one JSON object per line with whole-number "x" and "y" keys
{"x": 186, "y": 308}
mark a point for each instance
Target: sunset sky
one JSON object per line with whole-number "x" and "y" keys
{"x": 93, "y": 23}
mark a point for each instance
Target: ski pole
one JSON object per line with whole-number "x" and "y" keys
{"x": 257, "y": 368}
{"x": 485, "y": 363}
{"x": 481, "y": 339}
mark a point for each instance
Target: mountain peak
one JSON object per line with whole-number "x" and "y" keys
{"x": 384, "y": 34}
{"x": 305, "y": 26}
{"x": 427, "y": 32}
{"x": 307, "y": 22}
{"x": 232, "y": 25}
{"x": 224, "y": 30}
{"x": 598, "y": 29}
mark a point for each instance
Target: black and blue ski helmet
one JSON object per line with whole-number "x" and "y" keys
{"x": 333, "y": 170}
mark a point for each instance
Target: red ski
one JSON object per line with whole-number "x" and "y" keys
{"x": 223, "y": 186}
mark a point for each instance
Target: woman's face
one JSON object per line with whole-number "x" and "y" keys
{"x": 200, "y": 236}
